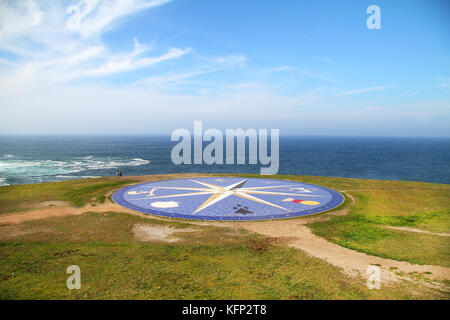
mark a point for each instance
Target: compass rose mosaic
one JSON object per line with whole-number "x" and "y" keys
{"x": 228, "y": 198}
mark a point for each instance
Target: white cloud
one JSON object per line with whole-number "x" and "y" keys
{"x": 55, "y": 42}
{"x": 18, "y": 18}
{"x": 52, "y": 42}
{"x": 129, "y": 62}
{"x": 238, "y": 60}
{"x": 91, "y": 17}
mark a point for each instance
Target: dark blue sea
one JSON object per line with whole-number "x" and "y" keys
{"x": 33, "y": 159}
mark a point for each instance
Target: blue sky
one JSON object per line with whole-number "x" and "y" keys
{"x": 151, "y": 66}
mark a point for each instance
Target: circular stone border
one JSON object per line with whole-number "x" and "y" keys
{"x": 336, "y": 201}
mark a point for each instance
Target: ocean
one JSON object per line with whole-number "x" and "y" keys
{"x": 35, "y": 159}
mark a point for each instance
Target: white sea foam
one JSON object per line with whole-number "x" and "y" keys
{"x": 3, "y": 182}
{"x": 76, "y": 177}
{"x": 12, "y": 167}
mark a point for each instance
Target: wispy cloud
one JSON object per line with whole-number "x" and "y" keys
{"x": 363, "y": 90}
{"x": 175, "y": 77}
{"x": 52, "y": 42}
{"x": 16, "y": 19}
{"x": 213, "y": 65}
{"x": 319, "y": 77}
{"x": 130, "y": 62}
{"x": 91, "y": 17}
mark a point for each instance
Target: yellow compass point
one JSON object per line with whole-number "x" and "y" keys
{"x": 310, "y": 203}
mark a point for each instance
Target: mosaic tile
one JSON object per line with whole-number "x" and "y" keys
{"x": 228, "y": 199}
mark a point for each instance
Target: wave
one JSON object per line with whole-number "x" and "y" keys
{"x": 3, "y": 182}
{"x": 34, "y": 168}
{"x": 76, "y": 177}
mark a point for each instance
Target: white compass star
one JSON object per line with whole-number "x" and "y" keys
{"x": 219, "y": 193}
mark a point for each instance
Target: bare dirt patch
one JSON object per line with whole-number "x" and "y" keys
{"x": 146, "y": 232}
{"x": 13, "y": 231}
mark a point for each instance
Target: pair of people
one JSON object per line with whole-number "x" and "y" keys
{"x": 118, "y": 173}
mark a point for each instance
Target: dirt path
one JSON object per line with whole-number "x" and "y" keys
{"x": 352, "y": 262}
{"x": 416, "y": 230}
{"x": 57, "y": 210}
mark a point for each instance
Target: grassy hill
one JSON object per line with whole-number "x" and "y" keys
{"x": 213, "y": 262}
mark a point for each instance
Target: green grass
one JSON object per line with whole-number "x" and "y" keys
{"x": 77, "y": 192}
{"x": 421, "y": 208}
{"x": 435, "y": 221}
{"x": 356, "y": 232}
{"x": 214, "y": 263}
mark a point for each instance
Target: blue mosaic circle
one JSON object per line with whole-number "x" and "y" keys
{"x": 228, "y": 199}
